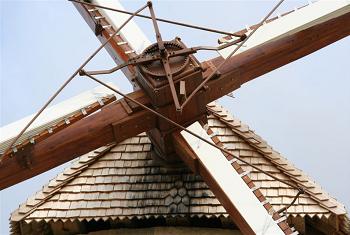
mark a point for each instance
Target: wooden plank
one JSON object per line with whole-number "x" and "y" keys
{"x": 96, "y": 130}
{"x": 295, "y": 21}
{"x": 81, "y": 137}
{"x": 116, "y": 51}
{"x": 184, "y": 151}
{"x": 233, "y": 193}
{"x": 262, "y": 59}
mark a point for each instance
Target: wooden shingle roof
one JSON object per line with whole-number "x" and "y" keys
{"x": 127, "y": 180}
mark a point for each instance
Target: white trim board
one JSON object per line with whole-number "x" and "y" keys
{"x": 308, "y": 16}
{"x": 52, "y": 115}
{"x": 131, "y": 33}
{"x": 231, "y": 183}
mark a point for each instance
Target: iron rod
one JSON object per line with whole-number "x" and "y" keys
{"x": 161, "y": 20}
{"x": 164, "y": 57}
{"x": 190, "y": 132}
{"x": 285, "y": 208}
{"x": 230, "y": 55}
{"x": 107, "y": 71}
{"x": 140, "y": 60}
{"x": 70, "y": 79}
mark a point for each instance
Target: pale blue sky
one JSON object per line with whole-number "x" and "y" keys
{"x": 302, "y": 109}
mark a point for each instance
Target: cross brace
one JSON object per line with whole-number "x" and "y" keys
{"x": 97, "y": 129}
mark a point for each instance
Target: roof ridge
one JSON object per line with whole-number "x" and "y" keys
{"x": 254, "y": 140}
{"x": 59, "y": 181}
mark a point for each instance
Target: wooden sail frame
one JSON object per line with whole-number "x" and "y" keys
{"x": 233, "y": 75}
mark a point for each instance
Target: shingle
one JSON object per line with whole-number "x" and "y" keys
{"x": 93, "y": 204}
{"x": 133, "y": 148}
{"x": 63, "y": 205}
{"x": 97, "y": 172}
{"x": 146, "y": 147}
{"x": 119, "y": 148}
{"x": 112, "y": 156}
{"x": 24, "y": 208}
{"x": 90, "y": 180}
{"x": 126, "y": 181}
{"x": 105, "y": 204}
{"x": 73, "y": 213}
{"x": 52, "y": 213}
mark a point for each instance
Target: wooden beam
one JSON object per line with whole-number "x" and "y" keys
{"x": 185, "y": 152}
{"x": 81, "y": 137}
{"x": 114, "y": 49}
{"x": 242, "y": 205}
{"x": 96, "y": 130}
{"x": 260, "y": 60}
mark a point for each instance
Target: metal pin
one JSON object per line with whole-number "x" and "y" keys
{"x": 121, "y": 43}
{"x": 66, "y": 120}
{"x": 265, "y": 202}
{"x": 244, "y": 173}
{"x": 91, "y": 10}
{"x": 100, "y": 101}
{"x": 106, "y": 26}
{"x": 14, "y": 149}
{"x": 206, "y": 127}
{"x": 214, "y": 134}
{"x": 111, "y": 34}
{"x": 99, "y": 17}
{"x": 281, "y": 219}
{"x": 83, "y": 110}
{"x": 50, "y": 130}
{"x": 254, "y": 188}
{"x": 233, "y": 160}
{"x": 32, "y": 141}
{"x": 129, "y": 52}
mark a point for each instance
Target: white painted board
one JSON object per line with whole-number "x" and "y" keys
{"x": 231, "y": 183}
{"x": 314, "y": 13}
{"x": 131, "y": 33}
{"x": 52, "y": 115}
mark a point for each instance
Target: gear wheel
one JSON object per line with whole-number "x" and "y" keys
{"x": 156, "y": 68}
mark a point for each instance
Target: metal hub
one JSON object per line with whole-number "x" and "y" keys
{"x": 156, "y": 68}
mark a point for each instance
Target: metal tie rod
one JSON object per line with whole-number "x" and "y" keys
{"x": 215, "y": 72}
{"x": 192, "y": 133}
{"x": 161, "y": 20}
{"x": 69, "y": 80}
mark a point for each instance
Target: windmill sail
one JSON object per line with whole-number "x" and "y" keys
{"x": 233, "y": 187}
{"x": 129, "y": 42}
{"x": 292, "y": 22}
{"x": 59, "y": 116}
